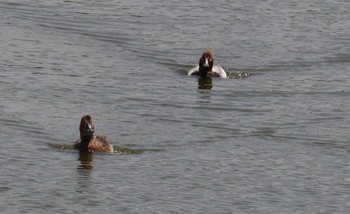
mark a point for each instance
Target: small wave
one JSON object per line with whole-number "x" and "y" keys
{"x": 117, "y": 150}
{"x": 242, "y": 75}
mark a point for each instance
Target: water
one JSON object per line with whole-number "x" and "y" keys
{"x": 271, "y": 139}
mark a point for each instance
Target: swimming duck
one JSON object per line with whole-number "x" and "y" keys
{"x": 88, "y": 142}
{"x": 206, "y": 67}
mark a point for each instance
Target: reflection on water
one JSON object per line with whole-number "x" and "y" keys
{"x": 85, "y": 159}
{"x": 205, "y": 83}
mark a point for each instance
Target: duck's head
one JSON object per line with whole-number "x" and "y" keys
{"x": 86, "y": 128}
{"x": 206, "y": 62}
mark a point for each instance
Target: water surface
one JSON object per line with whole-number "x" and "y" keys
{"x": 271, "y": 139}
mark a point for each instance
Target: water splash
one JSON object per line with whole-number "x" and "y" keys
{"x": 241, "y": 75}
{"x": 117, "y": 150}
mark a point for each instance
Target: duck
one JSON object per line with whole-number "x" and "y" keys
{"x": 88, "y": 142}
{"x": 206, "y": 67}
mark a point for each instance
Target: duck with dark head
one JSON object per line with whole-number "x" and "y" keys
{"x": 88, "y": 142}
{"x": 206, "y": 67}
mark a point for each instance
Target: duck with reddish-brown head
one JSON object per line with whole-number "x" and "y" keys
{"x": 88, "y": 142}
{"x": 206, "y": 67}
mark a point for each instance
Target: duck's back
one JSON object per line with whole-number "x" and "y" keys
{"x": 219, "y": 71}
{"x": 193, "y": 71}
{"x": 100, "y": 144}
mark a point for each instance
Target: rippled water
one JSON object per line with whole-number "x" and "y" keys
{"x": 271, "y": 139}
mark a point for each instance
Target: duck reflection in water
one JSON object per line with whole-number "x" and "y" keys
{"x": 205, "y": 83}
{"x": 85, "y": 159}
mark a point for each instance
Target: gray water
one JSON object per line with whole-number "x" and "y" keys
{"x": 273, "y": 138}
